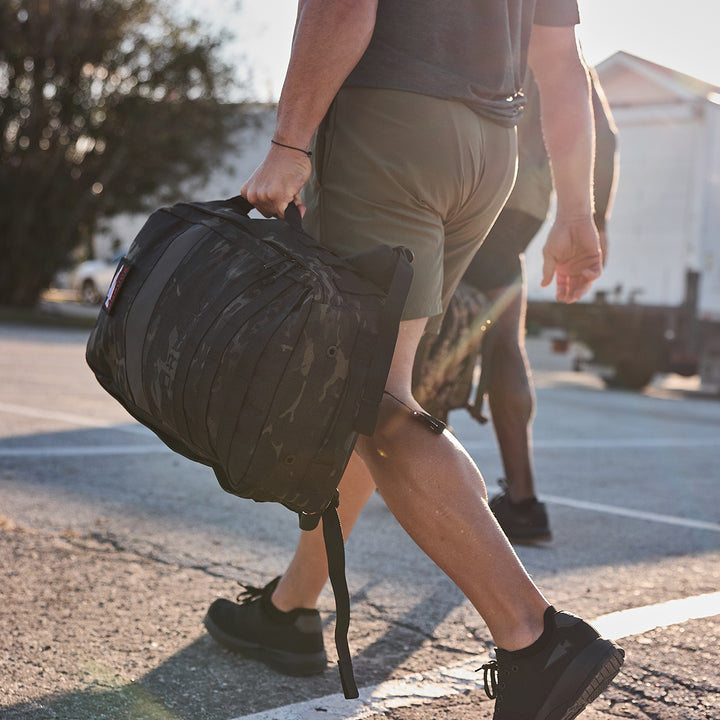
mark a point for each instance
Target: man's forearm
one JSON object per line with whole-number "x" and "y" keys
{"x": 330, "y": 38}
{"x": 566, "y": 117}
{"x": 606, "y": 155}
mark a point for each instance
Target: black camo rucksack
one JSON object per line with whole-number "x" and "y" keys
{"x": 248, "y": 347}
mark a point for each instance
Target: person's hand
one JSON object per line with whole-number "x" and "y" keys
{"x": 277, "y": 182}
{"x": 572, "y": 254}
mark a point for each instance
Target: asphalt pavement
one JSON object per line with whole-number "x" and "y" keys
{"x": 111, "y": 548}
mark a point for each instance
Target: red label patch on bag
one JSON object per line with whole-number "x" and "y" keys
{"x": 118, "y": 279}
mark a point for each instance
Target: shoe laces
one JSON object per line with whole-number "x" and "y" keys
{"x": 497, "y": 678}
{"x": 249, "y": 594}
{"x": 490, "y": 678}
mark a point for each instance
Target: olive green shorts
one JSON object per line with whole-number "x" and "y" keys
{"x": 401, "y": 168}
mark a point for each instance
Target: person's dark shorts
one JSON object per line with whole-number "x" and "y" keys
{"x": 497, "y": 263}
{"x": 401, "y": 168}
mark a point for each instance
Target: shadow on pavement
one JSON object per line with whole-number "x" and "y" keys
{"x": 206, "y": 682}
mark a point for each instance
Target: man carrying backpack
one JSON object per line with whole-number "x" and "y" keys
{"x": 413, "y": 107}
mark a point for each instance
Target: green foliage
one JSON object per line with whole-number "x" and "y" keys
{"x": 106, "y": 106}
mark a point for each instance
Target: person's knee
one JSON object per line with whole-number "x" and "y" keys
{"x": 503, "y": 350}
{"x": 403, "y": 429}
{"x": 501, "y": 337}
{"x": 507, "y": 374}
{"x": 406, "y": 449}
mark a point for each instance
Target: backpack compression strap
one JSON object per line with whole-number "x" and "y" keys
{"x": 382, "y": 357}
{"x": 335, "y": 550}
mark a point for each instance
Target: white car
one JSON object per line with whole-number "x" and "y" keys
{"x": 92, "y": 278}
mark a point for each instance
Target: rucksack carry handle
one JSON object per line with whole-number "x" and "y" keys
{"x": 292, "y": 214}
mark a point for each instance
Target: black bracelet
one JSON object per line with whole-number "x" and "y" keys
{"x": 291, "y": 147}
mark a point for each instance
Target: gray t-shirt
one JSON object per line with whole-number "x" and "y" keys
{"x": 473, "y": 51}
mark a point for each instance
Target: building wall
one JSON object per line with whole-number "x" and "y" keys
{"x": 654, "y": 227}
{"x": 666, "y": 217}
{"x": 709, "y": 301}
{"x": 251, "y": 143}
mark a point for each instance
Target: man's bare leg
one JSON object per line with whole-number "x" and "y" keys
{"x": 303, "y": 581}
{"x": 436, "y": 492}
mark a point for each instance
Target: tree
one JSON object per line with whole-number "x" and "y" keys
{"x": 106, "y": 106}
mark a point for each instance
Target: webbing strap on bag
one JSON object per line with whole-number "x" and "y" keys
{"x": 380, "y": 363}
{"x": 335, "y": 549}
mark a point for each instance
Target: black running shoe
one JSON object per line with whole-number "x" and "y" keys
{"x": 289, "y": 642}
{"x": 524, "y": 522}
{"x": 557, "y": 676}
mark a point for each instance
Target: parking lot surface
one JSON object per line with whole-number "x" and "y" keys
{"x": 112, "y": 547}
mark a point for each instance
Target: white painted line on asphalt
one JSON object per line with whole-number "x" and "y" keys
{"x": 81, "y": 420}
{"x": 637, "y": 621}
{"x": 634, "y": 514}
{"x": 416, "y": 689}
{"x": 626, "y": 443}
{"x": 603, "y": 443}
{"x": 421, "y": 688}
{"x": 85, "y": 451}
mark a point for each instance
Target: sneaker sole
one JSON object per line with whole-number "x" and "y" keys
{"x": 288, "y": 663}
{"x": 585, "y": 679}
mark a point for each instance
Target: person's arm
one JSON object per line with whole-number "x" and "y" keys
{"x": 572, "y": 252}
{"x": 330, "y": 38}
{"x": 606, "y": 160}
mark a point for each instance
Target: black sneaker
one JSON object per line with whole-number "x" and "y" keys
{"x": 523, "y": 522}
{"x": 557, "y": 676}
{"x": 290, "y": 642}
